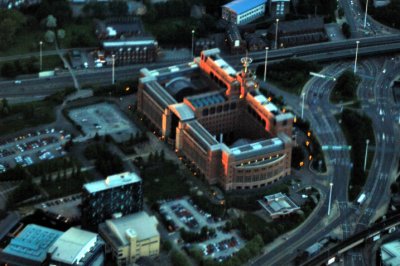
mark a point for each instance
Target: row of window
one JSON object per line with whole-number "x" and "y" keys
{"x": 212, "y": 110}
{"x": 257, "y": 186}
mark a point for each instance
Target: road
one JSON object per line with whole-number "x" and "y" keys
{"x": 328, "y": 132}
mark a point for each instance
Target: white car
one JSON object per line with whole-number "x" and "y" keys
{"x": 17, "y": 82}
{"x": 98, "y": 65}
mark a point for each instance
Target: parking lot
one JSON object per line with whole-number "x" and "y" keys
{"x": 103, "y": 118}
{"x": 65, "y": 209}
{"x": 31, "y": 148}
{"x": 182, "y": 213}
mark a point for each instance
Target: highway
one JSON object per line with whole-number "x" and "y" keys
{"x": 328, "y": 132}
{"x": 329, "y": 51}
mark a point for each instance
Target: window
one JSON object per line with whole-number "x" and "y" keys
{"x": 219, "y": 109}
{"x": 205, "y": 112}
{"x": 212, "y": 110}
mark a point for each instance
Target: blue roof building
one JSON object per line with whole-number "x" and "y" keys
{"x": 31, "y": 245}
{"x": 243, "y": 11}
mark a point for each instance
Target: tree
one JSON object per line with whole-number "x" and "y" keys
{"x": 11, "y": 21}
{"x": 61, "y": 33}
{"x": 118, "y": 8}
{"x": 178, "y": 258}
{"x": 51, "y": 22}
{"x": 346, "y": 30}
{"x": 8, "y": 70}
{"x": 50, "y": 36}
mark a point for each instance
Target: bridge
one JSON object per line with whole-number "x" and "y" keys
{"x": 353, "y": 241}
{"x": 329, "y": 51}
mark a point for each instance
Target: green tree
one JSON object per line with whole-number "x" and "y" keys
{"x": 118, "y": 8}
{"x": 11, "y": 21}
{"x": 346, "y": 30}
{"x": 178, "y": 258}
{"x": 8, "y": 70}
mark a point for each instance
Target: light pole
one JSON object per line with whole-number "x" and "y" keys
{"x": 265, "y": 65}
{"x": 192, "y": 43}
{"x": 40, "y": 56}
{"x": 330, "y": 198}
{"x": 366, "y": 155}
{"x": 113, "y": 69}
{"x": 276, "y": 33}
{"x": 365, "y": 15}
{"x": 355, "y": 61}
{"x": 302, "y": 105}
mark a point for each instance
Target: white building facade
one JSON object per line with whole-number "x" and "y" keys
{"x": 241, "y": 12}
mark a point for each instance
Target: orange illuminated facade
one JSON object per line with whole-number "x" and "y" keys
{"x": 218, "y": 121}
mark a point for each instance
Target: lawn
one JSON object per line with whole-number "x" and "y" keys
{"x": 27, "y": 42}
{"x": 161, "y": 180}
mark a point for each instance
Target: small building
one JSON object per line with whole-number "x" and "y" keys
{"x": 203, "y": 44}
{"x": 390, "y": 253}
{"x": 234, "y": 39}
{"x": 78, "y": 248}
{"x": 120, "y": 193}
{"x": 241, "y": 12}
{"x": 131, "y": 50}
{"x": 130, "y": 237}
{"x": 30, "y": 246}
{"x": 278, "y": 205}
{"x": 255, "y": 42}
{"x": 279, "y": 8}
{"x": 298, "y": 32}
{"x": 119, "y": 28}
{"x": 381, "y": 3}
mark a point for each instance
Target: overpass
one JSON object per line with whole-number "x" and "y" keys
{"x": 353, "y": 241}
{"x": 329, "y": 51}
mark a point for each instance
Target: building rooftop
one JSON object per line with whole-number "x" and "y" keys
{"x": 183, "y": 111}
{"x": 269, "y": 106}
{"x": 278, "y": 203}
{"x": 257, "y": 148}
{"x": 8, "y": 223}
{"x": 33, "y": 242}
{"x": 241, "y": 6}
{"x": 207, "y": 99}
{"x": 298, "y": 26}
{"x": 139, "y": 225}
{"x": 136, "y": 41}
{"x": 72, "y": 246}
{"x": 112, "y": 181}
{"x": 390, "y": 253}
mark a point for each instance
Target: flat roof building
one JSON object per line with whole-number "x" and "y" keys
{"x": 243, "y": 11}
{"x": 77, "y": 247}
{"x": 30, "y": 246}
{"x": 219, "y": 121}
{"x": 131, "y": 237}
{"x": 278, "y": 205}
{"x": 119, "y": 193}
{"x": 390, "y": 253}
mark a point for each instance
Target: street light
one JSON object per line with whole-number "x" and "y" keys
{"x": 40, "y": 44}
{"x": 192, "y": 43}
{"x": 365, "y": 15}
{"x": 265, "y": 65}
{"x": 355, "y": 61}
{"x": 276, "y": 33}
{"x": 366, "y": 155}
{"x": 113, "y": 69}
{"x": 302, "y": 105}
{"x": 330, "y": 198}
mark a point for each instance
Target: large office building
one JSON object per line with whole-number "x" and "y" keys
{"x": 130, "y": 237}
{"x": 279, "y": 8}
{"x": 30, "y": 246}
{"x": 241, "y": 12}
{"x": 120, "y": 193}
{"x": 217, "y": 119}
{"x": 77, "y": 247}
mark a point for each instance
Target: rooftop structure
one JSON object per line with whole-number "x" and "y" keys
{"x": 390, "y": 253}
{"x": 278, "y": 205}
{"x": 112, "y": 181}
{"x": 243, "y": 11}
{"x": 214, "y": 107}
{"x": 32, "y": 243}
{"x": 241, "y": 6}
{"x": 76, "y": 247}
{"x": 131, "y": 237}
{"x": 120, "y": 193}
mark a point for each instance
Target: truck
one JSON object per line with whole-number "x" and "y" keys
{"x": 46, "y": 74}
{"x": 361, "y": 199}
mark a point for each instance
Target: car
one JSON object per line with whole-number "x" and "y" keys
{"x": 17, "y": 82}
{"x": 98, "y": 65}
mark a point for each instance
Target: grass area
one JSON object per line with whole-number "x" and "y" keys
{"x": 290, "y": 75}
{"x": 32, "y": 65}
{"x": 27, "y": 41}
{"x": 63, "y": 187}
{"x": 345, "y": 89}
{"x": 26, "y": 115}
{"x": 162, "y": 180}
{"x": 79, "y": 35}
{"x": 357, "y": 129}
